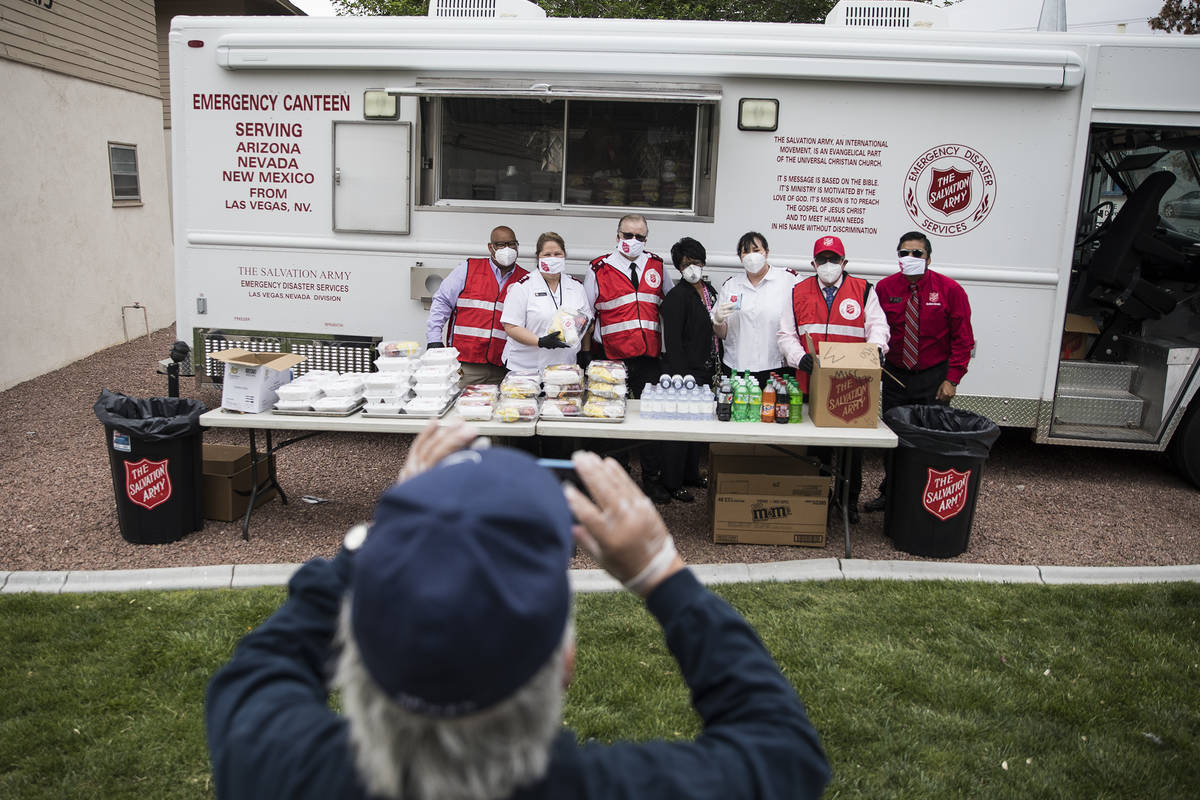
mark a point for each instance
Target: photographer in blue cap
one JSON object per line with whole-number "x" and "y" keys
{"x": 447, "y": 627}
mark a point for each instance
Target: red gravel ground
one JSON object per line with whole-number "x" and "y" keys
{"x": 1038, "y": 505}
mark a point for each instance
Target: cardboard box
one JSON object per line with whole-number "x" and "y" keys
{"x": 768, "y": 500}
{"x": 228, "y": 480}
{"x": 252, "y": 378}
{"x": 844, "y": 388}
{"x": 1076, "y": 332}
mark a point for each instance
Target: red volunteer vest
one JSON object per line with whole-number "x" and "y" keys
{"x": 628, "y": 318}
{"x": 475, "y": 327}
{"x": 845, "y": 322}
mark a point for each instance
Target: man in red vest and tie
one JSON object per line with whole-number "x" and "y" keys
{"x": 930, "y": 320}
{"x": 625, "y": 288}
{"x": 831, "y": 306}
{"x": 471, "y": 298}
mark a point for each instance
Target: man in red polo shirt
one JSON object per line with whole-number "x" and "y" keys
{"x": 472, "y": 299}
{"x": 930, "y": 319}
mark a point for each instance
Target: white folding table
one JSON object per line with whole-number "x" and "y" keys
{"x": 634, "y": 426}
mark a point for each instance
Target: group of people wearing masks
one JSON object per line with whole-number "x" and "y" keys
{"x": 760, "y": 321}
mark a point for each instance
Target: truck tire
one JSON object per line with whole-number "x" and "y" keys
{"x": 1185, "y": 445}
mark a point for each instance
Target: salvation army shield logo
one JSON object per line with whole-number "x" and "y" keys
{"x": 945, "y": 492}
{"x": 849, "y": 308}
{"x": 949, "y": 190}
{"x": 652, "y": 278}
{"x": 849, "y": 396}
{"x": 147, "y": 483}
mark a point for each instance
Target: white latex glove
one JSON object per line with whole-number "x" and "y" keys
{"x": 722, "y": 312}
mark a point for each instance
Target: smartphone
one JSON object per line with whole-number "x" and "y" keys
{"x": 564, "y": 470}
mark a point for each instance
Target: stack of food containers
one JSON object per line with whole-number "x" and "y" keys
{"x": 606, "y": 390}
{"x": 303, "y": 393}
{"x": 563, "y": 385}
{"x": 518, "y": 397}
{"x": 300, "y": 394}
{"x": 478, "y": 402}
{"x": 343, "y": 393}
{"x": 388, "y": 390}
{"x": 435, "y": 381}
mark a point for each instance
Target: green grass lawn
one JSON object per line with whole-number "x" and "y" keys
{"x": 920, "y": 690}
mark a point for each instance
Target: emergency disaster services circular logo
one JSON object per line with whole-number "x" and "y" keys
{"x": 949, "y": 190}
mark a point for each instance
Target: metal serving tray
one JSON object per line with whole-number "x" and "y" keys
{"x": 418, "y": 415}
{"x": 354, "y": 410}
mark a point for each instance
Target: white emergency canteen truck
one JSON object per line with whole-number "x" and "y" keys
{"x": 329, "y": 172}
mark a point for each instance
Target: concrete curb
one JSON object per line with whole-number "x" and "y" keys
{"x": 586, "y": 581}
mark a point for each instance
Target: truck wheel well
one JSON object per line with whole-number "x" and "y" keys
{"x": 1185, "y": 445}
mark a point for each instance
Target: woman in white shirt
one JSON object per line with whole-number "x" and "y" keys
{"x": 748, "y": 308}
{"x": 532, "y": 304}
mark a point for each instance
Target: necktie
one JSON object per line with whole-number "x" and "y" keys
{"x": 911, "y": 330}
{"x": 633, "y": 274}
{"x": 830, "y": 291}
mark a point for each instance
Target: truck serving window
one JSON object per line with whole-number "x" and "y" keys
{"x": 566, "y": 152}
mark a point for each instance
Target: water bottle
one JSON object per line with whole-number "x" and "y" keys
{"x": 689, "y": 382}
{"x": 664, "y": 381}
{"x": 670, "y": 404}
{"x": 677, "y": 381}
{"x": 649, "y": 404}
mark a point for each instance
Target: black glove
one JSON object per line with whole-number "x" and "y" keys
{"x": 805, "y": 364}
{"x": 434, "y": 345}
{"x": 584, "y": 358}
{"x": 552, "y": 341}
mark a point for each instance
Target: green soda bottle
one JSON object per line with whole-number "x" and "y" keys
{"x": 796, "y": 412}
{"x": 739, "y": 401}
{"x": 754, "y": 408}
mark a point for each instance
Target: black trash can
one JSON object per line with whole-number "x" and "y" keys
{"x": 933, "y": 477}
{"x": 155, "y": 453}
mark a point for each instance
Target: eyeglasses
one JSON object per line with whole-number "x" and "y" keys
{"x": 513, "y": 243}
{"x": 914, "y": 253}
{"x": 641, "y": 237}
{"x": 828, "y": 259}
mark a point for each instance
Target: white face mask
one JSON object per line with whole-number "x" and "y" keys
{"x": 692, "y": 273}
{"x": 911, "y": 265}
{"x": 754, "y": 262}
{"x": 551, "y": 265}
{"x": 829, "y": 272}
{"x": 505, "y": 256}
{"x": 630, "y": 248}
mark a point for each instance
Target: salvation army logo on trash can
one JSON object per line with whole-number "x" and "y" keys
{"x": 147, "y": 483}
{"x": 950, "y": 189}
{"x": 945, "y": 492}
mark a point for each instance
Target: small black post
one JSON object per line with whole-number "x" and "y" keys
{"x": 179, "y": 354}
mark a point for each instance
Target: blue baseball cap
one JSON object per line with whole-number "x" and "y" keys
{"x": 460, "y": 592}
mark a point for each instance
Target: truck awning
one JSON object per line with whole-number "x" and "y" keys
{"x": 642, "y": 91}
